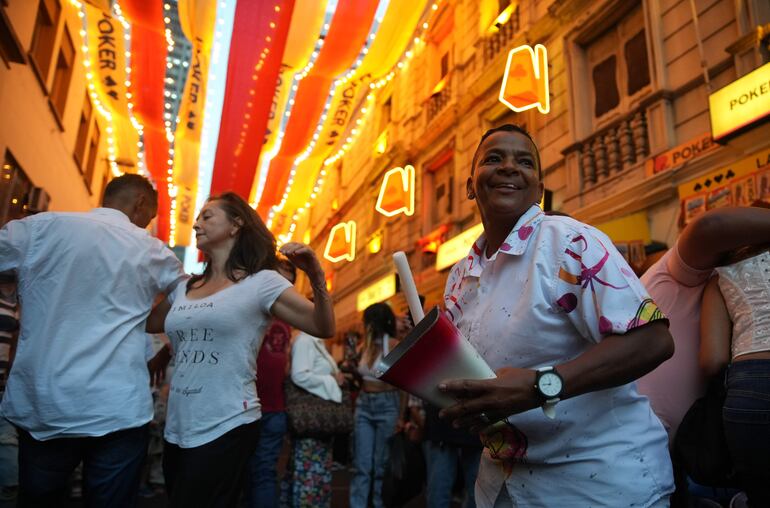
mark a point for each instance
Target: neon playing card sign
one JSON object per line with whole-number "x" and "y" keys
{"x": 525, "y": 82}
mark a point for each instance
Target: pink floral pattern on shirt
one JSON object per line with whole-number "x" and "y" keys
{"x": 593, "y": 275}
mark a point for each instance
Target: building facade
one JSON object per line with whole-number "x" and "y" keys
{"x": 628, "y": 132}
{"x": 52, "y": 138}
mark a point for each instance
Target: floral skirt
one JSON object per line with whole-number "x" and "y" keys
{"x": 308, "y": 481}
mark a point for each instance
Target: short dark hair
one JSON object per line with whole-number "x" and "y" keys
{"x": 129, "y": 182}
{"x": 508, "y": 127}
{"x": 254, "y": 247}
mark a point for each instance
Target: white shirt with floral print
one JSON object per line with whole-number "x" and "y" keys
{"x": 553, "y": 289}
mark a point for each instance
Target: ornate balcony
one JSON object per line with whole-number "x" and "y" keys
{"x": 615, "y": 148}
{"x": 439, "y": 100}
{"x": 493, "y": 44}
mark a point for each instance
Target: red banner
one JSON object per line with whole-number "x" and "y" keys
{"x": 148, "y": 74}
{"x": 251, "y": 77}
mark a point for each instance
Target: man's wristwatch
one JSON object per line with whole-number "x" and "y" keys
{"x": 549, "y": 384}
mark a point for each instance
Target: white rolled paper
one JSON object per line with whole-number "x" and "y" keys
{"x": 408, "y": 287}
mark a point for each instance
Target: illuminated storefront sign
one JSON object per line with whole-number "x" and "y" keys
{"x": 677, "y": 156}
{"x": 741, "y": 103}
{"x": 433, "y": 240}
{"x": 458, "y": 247}
{"x": 525, "y": 82}
{"x": 342, "y": 242}
{"x": 377, "y": 292}
{"x": 397, "y": 192}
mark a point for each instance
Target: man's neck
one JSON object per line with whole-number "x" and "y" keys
{"x": 496, "y": 231}
{"x": 126, "y": 210}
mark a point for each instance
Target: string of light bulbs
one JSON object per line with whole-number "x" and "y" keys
{"x": 400, "y": 66}
{"x": 107, "y": 115}
{"x": 320, "y": 125}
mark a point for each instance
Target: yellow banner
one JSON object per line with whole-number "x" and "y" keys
{"x": 391, "y": 40}
{"x": 724, "y": 176}
{"x": 107, "y": 64}
{"x": 197, "y": 19}
{"x": 628, "y": 229}
{"x": 274, "y": 119}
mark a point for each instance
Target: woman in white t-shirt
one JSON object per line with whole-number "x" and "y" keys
{"x": 216, "y": 324}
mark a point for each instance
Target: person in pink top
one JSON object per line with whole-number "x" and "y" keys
{"x": 676, "y": 283}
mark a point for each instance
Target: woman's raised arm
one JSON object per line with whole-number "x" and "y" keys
{"x": 316, "y": 317}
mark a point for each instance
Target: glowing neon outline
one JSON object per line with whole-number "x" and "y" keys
{"x": 350, "y": 238}
{"x": 407, "y": 172}
{"x": 535, "y": 56}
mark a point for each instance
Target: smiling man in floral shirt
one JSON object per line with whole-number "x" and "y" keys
{"x": 558, "y": 314}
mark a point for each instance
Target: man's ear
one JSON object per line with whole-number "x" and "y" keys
{"x": 469, "y": 188}
{"x": 140, "y": 200}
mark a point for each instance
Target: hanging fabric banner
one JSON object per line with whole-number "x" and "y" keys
{"x": 347, "y": 34}
{"x": 259, "y": 37}
{"x": 391, "y": 40}
{"x": 148, "y": 74}
{"x": 107, "y": 61}
{"x": 197, "y": 18}
{"x": 304, "y": 31}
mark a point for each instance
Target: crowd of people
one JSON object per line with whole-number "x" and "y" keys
{"x": 595, "y": 368}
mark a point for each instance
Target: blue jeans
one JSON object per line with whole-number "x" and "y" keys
{"x": 442, "y": 461}
{"x": 746, "y": 416}
{"x": 376, "y": 415}
{"x": 111, "y": 467}
{"x": 262, "y": 488}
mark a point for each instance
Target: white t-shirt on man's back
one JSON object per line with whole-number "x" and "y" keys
{"x": 86, "y": 285}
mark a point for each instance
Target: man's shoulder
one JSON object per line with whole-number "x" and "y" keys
{"x": 97, "y": 225}
{"x": 49, "y": 217}
{"x": 562, "y": 230}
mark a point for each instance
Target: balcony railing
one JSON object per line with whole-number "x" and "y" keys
{"x": 500, "y": 40}
{"x": 439, "y": 100}
{"x": 615, "y": 148}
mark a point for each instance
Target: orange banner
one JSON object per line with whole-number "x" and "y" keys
{"x": 347, "y": 34}
{"x": 107, "y": 62}
{"x": 148, "y": 74}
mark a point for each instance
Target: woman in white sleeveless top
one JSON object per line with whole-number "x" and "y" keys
{"x": 735, "y": 331}
{"x": 377, "y": 410}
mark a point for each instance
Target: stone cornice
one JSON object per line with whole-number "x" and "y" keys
{"x": 646, "y": 192}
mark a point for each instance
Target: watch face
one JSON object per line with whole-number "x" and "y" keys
{"x": 549, "y": 384}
